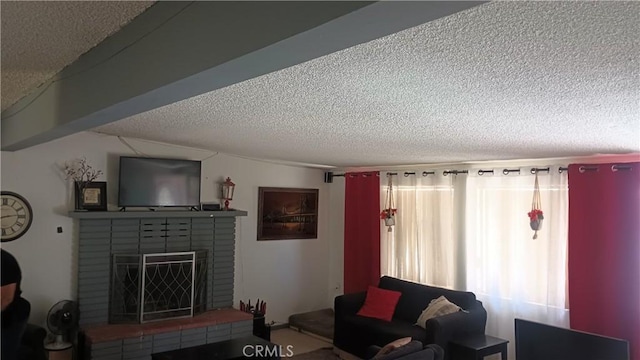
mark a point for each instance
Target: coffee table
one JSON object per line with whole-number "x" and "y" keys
{"x": 251, "y": 347}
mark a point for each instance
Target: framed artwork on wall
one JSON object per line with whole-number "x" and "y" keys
{"x": 287, "y": 213}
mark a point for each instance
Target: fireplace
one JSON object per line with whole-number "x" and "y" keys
{"x": 110, "y": 290}
{"x": 150, "y": 287}
{"x": 105, "y": 236}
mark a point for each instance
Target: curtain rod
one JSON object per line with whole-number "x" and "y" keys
{"x": 329, "y": 175}
{"x": 614, "y": 167}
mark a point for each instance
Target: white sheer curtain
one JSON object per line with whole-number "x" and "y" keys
{"x": 512, "y": 274}
{"x": 471, "y": 232}
{"x": 424, "y": 245}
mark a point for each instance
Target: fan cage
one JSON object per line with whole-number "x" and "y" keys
{"x": 57, "y": 324}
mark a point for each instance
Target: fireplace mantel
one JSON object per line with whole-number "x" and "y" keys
{"x": 147, "y": 214}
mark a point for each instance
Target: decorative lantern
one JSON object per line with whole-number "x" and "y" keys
{"x": 228, "y": 188}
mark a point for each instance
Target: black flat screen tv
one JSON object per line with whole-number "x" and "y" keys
{"x": 536, "y": 341}
{"x": 154, "y": 182}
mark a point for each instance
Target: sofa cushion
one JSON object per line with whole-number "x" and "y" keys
{"x": 380, "y": 303}
{"x": 401, "y": 351}
{"x": 416, "y": 297}
{"x": 438, "y": 307}
{"x": 392, "y": 346}
{"x": 380, "y": 332}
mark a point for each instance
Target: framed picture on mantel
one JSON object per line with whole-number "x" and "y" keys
{"x": 287, "y": 213}
{"x": 94, "y": 196}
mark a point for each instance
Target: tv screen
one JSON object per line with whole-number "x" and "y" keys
{"x": 150, "y": 182}
{"x": 536, "y": 341}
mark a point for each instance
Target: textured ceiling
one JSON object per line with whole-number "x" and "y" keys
{"x": 40, "y": 38}
{"x": 504, "y": 80}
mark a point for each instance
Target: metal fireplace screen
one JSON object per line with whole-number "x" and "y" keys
{"x": 151, "y": 287}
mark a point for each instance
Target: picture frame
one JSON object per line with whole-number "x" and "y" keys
{"x": 94, "y": 196}
{"x": 287, "y": 213}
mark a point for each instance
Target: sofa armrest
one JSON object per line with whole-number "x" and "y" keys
{"x": 372, "y": 351}
{"x": 429, "y": 352}
{"x": 442, "y": 329}
{"x": 438, "y": 352}
{"x": 348, "y": 304}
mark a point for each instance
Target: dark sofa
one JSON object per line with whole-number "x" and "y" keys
{"x": 354, "y": 333}
{"x": 412, "y": 351}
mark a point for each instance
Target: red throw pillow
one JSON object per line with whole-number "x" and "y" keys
{"x": 380, "y": 303}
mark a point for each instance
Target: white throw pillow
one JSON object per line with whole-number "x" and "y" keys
{"x": 437, "y": 307}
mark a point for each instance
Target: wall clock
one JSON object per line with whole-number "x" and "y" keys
{"x": 16, "y": 214}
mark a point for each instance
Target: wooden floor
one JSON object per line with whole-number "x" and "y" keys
{"x": 304, "y": 342}
{"x": 300, "y": 342}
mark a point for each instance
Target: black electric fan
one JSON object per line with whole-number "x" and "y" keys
{"x": 62, "y": 321}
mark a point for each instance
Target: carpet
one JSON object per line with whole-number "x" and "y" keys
{"x": 320, "y": 354}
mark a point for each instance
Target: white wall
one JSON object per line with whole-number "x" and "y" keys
{"x": 290, "y": 275}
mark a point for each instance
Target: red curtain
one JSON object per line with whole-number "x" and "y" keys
{"x": 361, "y": 231}
{"x": 604, "y": 251}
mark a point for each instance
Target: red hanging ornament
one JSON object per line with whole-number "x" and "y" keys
{"x": 388, "y": 214}
{"x": 535, "y": 215}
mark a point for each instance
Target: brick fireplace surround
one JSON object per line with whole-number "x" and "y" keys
{"x": 102, "y": 234}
